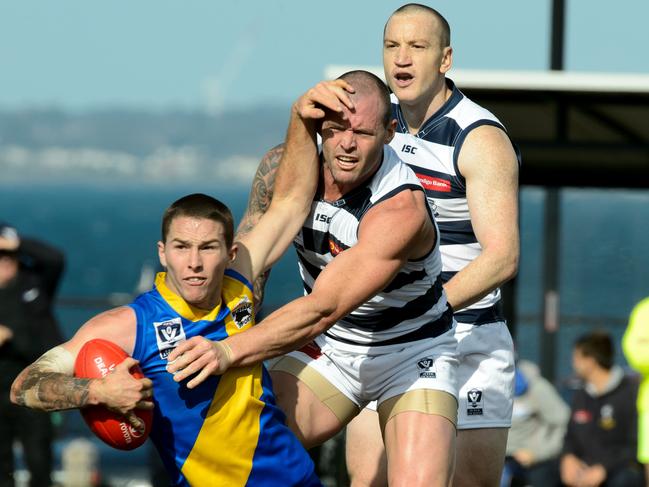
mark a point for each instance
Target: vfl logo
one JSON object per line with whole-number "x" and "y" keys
{"x": 475, "y": 403}
{"x": 425, "y": 366}
{"x": 168, "y": 334}
{"x": 409, "y": 149}
{"x": 242, "y": 313}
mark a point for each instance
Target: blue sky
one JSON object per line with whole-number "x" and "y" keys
{"x": 163, "y": 54}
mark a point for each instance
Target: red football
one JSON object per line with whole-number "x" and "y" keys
{"x": 96, "y": 358}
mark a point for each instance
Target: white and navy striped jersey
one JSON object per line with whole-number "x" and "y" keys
{"x": 433, "y": 154}
{"x": 411, "y": 307}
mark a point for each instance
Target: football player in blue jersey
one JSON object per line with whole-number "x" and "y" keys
{"x": 227, "y": 430}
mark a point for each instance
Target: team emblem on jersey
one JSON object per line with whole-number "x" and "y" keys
{"x": 582, "y": 416}
{"x": 426, "y": 368}
{"x": 242, "y": 313}
{"x": 606, "y": 417}
{"x": 168, "y": 334}
{"x": 334, "y": 248}
{"x": 475, "y": 403}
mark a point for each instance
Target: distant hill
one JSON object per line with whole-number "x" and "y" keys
{"x": 154, "y": 146}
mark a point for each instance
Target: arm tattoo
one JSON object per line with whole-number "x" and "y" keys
{"x": 45, "y": 386}
{"x": 261, "y": 195}
{"x": 261, "y": 192}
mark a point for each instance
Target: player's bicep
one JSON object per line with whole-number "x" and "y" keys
{"x": 357, "y": 274}
{"x": 490, "y": 167}
{"x": 117, "y": 325}
{"x": 261, "y": 191}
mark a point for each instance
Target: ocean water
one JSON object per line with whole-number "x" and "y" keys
{"x": 108, "y": 233}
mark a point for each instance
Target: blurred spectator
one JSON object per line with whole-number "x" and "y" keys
{"x": 536, "y": 435}
{"x": 29, "y": 275}
{"x": 601, "y": 441}
{"x": 635, "y": 345}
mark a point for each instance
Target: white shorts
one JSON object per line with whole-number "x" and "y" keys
{"x": 385, "y": 372}
{"x": 485, "y": 376}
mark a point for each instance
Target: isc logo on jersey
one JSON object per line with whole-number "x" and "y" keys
{"x": 168, "y": 334}
{"x": 408, "y": 149}
{"x": 321, "y": 217}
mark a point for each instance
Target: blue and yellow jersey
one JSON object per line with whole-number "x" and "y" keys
{"x": 228, "y": 431}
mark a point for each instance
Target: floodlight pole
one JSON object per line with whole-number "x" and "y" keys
{"x": 558, "y": 29}
{"x": 552, "y": 219}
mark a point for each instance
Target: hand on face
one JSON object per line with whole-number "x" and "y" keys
{"x": 331, "y": 95}
{"x": 201, "y": 356}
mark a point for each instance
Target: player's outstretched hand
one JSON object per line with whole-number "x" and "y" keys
{"x": 326, "y": 94}
{"x": 200, "y": 356}
{"x": 120, "y": 392}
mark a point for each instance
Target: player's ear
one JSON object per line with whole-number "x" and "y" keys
{"x": 447, "y": 60}
{"x": 233, "y": 252}
{"x": 390, "y": 130}
{"x": 161, "y": 254}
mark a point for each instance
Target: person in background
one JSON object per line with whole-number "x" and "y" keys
{"x": 30, "y": 272}
{"x": 538, "y": 426}
{"x": 601, "y": 442}
{"x": 635, "y": 345}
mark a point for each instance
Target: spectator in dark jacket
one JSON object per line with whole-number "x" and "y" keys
{"x": 29, "y": 275}
{"x": 601, "y": 441}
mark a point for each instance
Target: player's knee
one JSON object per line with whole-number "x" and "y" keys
{"x": 418, "y": 478}
{"x": 363, "y": 482}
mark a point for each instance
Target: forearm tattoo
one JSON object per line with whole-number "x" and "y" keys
{"x": 261, "y": 195}
{"x": 43, "y": 387}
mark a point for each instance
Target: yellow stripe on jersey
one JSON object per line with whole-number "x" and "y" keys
{"x": 179, "y": 305}
{"x": 229, "y": 433}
